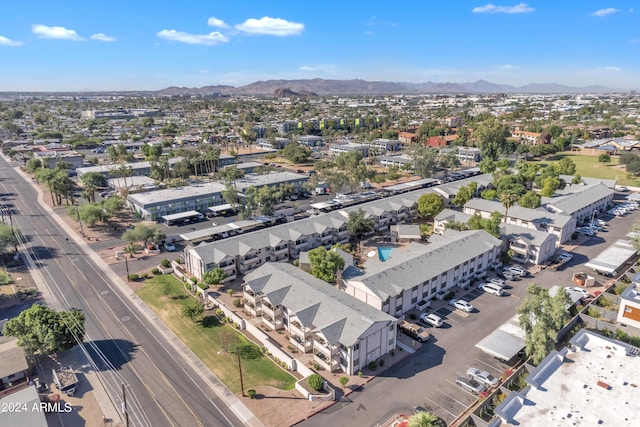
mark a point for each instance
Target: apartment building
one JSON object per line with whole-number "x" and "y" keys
{"x": 629, "y": 309}
{"x": 582, "y": 202}
{"x": 560, "y": 224}
{"x": 418, "y": 271}
{"x": 343, "y": 333}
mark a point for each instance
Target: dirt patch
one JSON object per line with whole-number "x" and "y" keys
{"x": 21, "y": 289}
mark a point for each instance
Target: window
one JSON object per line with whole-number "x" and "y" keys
{"x": 356, "y": 363}
{"x": 414, "y": 300}
{"x": 356, "y": 346}
{"x": 391, "y": 341}
{"x": 391, "y": 328}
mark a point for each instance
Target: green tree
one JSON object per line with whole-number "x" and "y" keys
{"x": 530, "y": 200}
{"x": 214, "y": 277}
{"x": 489, "y": 194}
{"x": 465, "y": 194}
{"x": 424, "y": 419}
{"x": 604, "y": 158}
{"x": 549, "y": 186}
{"x": 633, "y": 167}
{"x": 508, "y": 198}
{"x": 541, "y": 317}
{"x": 296, "y": 153}
{"x": 424, "y": 160}
{"x": 88, "y": 213}
{"x": 325, "y": 264}
{"x": 491, "y": 137}
{"x": 41, "y": 330}
{"x": 193, "y": 310}
{"x": 430, "y": 205}
{"x": 358, "y": 224}
{"x": 487, "y": 165}
{"x": 8, "y": 239}
{"x": 144, "y": 233}
{"x": 566, "y": 166}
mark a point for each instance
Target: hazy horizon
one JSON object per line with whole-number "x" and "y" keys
{"x": 124, "y": 46}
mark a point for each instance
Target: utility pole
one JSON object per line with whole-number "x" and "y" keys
{"x": 126, "y": 265}
{"x": 79, "y": 221}
{"x": 124, "y": 407}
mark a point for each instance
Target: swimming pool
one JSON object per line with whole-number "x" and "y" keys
{"x": 384, "y": 252}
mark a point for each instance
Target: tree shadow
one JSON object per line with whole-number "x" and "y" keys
{"x": 111, "y": 354}
{"x": 210, "y": 321}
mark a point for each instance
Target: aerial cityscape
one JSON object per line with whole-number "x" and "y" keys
{"x": 245, "y": 214}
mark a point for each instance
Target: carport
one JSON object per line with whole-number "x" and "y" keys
{"x": 505, "y": 342}
{"x": 611, "y": 260}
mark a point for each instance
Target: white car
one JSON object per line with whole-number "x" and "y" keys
{"x": 482, "y": 377}
{"x": 215, "y": 224}
{"x": 515, "y": 269}
{"x": 461, "y": 304}
{"x": 170, "y": 247}
{"x": 431, "y": 319}
{"x": 578, "y": 290}
{"x": 492, "y": 289}
{"x": 565, "y": 257}
{"x": 498, "y": 281}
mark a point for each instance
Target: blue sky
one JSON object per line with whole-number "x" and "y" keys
{"x": 147, "y": 45}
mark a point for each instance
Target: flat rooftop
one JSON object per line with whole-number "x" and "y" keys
{"x": 597, "y": 384}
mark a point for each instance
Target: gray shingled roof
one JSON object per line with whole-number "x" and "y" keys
{"x": 574, "y": 198}
{"x": 534, "y": 237}
{"x": 516, "y": 211}
{"x": 341, "y": 318}
{"x": 410, "y": 267}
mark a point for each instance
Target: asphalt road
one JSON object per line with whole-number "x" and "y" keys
{"x": 163, "y": 390}
{"x": 427, "y": 378}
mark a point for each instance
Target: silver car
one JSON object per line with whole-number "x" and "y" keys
{"x": 483, "y": 377}
{"x": 471, "y": 385}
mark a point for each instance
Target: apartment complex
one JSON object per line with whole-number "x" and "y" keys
{"x": 394, "y": 285}
{"x": 340, "y": 331}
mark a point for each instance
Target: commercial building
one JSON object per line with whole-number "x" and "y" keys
{"x": 395, "y": 279}
{"x": 629, "y": 310}
{"x": 129, "y": 169}
{"x": 343, "y": 333}
{"x": 591, "y": 382}
{"x": 336, "y": 149}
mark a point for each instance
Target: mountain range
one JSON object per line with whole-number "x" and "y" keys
{"x": 363, "y": 87}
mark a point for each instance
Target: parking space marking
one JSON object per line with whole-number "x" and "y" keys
{"x": 489, "y": 365}
{"x": 461, "y": 388}
{"x": 454, "y": 399}
{"x": 441, "y": 407}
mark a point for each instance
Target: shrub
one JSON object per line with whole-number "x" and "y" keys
{"x": 296, "y": 262}
{"x": 219, "y": 312}
{"x": 620, "y": 287}
{"x": 381, "y": 363}
{"x": 360, "y": 374}
{"x": 230, "y": 292}
{"x": 203, "y": 286}
{"x": 251, "y": 393}
{"x": 237, "y": 302}
{"x": 315, "y": 382}
{"x": 194, "y": 280}
{"x": 145, "y": 275}
{"x": 155, "y": 271}
{"x": 316, "y": 366}
{"x": 373, "y": 365}
{"x": 165, "y": 263}
{"x": 412, "y": 316}
{"x": 134, "y": 277}
{"x": 343, "y": 381}
{"x": 227, "y": 319}
{"x": 449, "y": 295}
{"x": 5, "y": 279}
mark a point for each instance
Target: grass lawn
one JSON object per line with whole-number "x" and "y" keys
{"x": 166, "y": 297}
{"x": 588, "y": 166}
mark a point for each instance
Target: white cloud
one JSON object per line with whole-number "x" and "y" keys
{"x": 59, "y": 33}
{"x": 507, "y": 67}
{"x": 218, "y": 23}
{"x": 210, "y": 39}
{"x": 369, "y": 32}
{"x": 490, "y": 8}
{"x": 604, "y": 12}
{"x": 102, "y": 37}
{"x": 271, "y": 27}
{"x": 635, "y": 41}
{"x": 599, "y": 71}
{"x": 612, "y": 68}
{"x": 306, "y": 68}
{"x": 8, "y": 42}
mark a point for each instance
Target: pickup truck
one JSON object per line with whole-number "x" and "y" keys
{"x": 414, "y": 331}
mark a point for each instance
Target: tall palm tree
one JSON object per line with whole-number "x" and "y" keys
{"x": 508, "y": 199}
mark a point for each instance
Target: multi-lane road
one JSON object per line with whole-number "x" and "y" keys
{"x": 126, "y": 348}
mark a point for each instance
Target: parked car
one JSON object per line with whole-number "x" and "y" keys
{"x": 215, "y": 224}
{"x": 498, "y": 281}
{"x": 516, "y": 269}
{"x": 585, "y": 231}
{"x": 508, "y": 275}
{"x": 582, "y": 291}
{"x": 482, "y": 377}
{"x": 491, "y": 288}
{"x": 495, "y": 265}
{"x": 565, "y": 257}
{"x": 461, "y": 304}
{"x": 471, "y": 385}
{"x": 622, "y": 188}
{"x": 423, "y": 304}
{"x": 169, "y": 247}
{"x": 431, "y": 319}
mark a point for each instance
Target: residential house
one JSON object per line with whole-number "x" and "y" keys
{"x": 343, "y": 333}
{"x": 407, "y": 137}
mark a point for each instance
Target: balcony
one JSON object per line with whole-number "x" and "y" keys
{"x": 279, "y": 250}
{"x": 326, "y": 238}
{"x": 270, "y": 322}
{"x": 249, "y": 297}
{"x": 521, "y": 249}
{"x": 302, "y": 345}
{"x": 271, "y": 311}
{"x": 327, "y": 349}
{"x": 253, "y": 309}
{"x": 328, "y": 364}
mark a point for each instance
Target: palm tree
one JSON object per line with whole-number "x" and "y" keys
{"x": 424, "y": 419}
{"x": 508, "y": 199}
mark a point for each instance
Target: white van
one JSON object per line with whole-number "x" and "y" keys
{"x": 492, "y": 288}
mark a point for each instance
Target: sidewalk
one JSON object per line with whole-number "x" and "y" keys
{"x": 180, "y": 348}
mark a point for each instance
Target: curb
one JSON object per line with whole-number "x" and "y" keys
{"x": 231, "y": 400}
